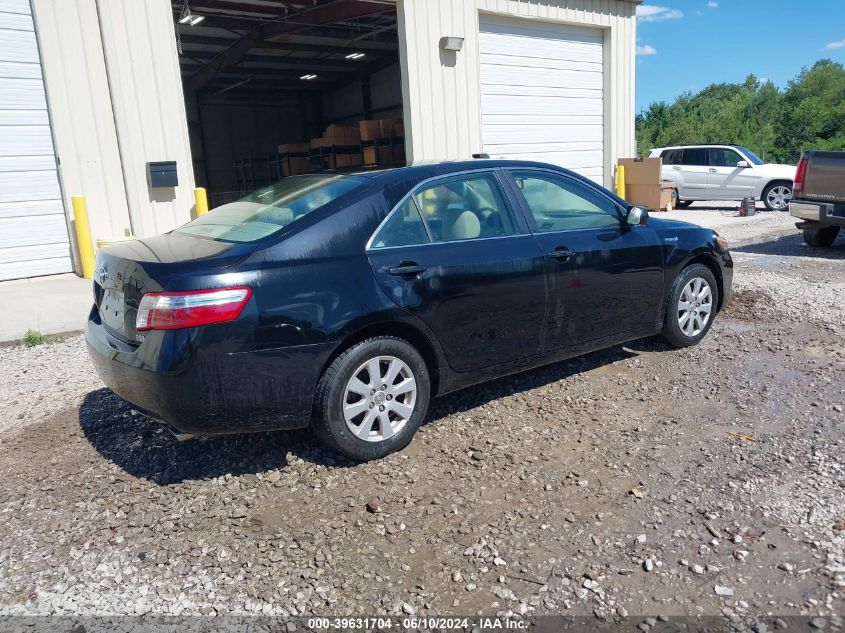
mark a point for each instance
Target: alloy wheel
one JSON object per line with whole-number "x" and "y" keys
{"x": 779, "y": 197}
{"x": 379, "y": 398}
{"x": 695, "y": 307}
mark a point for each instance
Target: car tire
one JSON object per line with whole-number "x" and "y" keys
{"x": 381, "y": 414}
{"x": 822, "y": 236}
{"x": 779, "y": 199}
{"x": 677, "y": 203}
{"x": 684, "y": 324}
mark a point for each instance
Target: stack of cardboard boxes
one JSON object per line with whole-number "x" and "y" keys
{"x": 384, "y": 141}
{"x": 295, "y": 159}
{"x": 644, "y": 185}
{"x": 372, "y": 142}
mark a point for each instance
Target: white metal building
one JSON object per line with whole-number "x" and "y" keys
{"x": 91, "y": 91}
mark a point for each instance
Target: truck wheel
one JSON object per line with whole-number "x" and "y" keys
{"x": 372, "y": 398}
{"x": 822, "y": 236}
{"x": 691, "y": 306}
{"x": 777, "y": 195}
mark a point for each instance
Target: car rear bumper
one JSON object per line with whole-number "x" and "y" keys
{"x": 209, "y": 389}
{"x": 823, "y": 212}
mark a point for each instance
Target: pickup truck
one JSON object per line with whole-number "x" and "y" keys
{"x": 819, "y": 196}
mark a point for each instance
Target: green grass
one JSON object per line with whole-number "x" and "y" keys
{"x": 34, "y": 337}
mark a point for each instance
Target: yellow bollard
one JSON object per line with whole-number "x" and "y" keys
{"x": 83, "y": 235}
{"x": 620, "y": 181}
{"x": 202, "y": 201}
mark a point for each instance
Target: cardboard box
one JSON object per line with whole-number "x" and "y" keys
{"x": 369, "y": 130}
{"x": 295, "y": 148}
{"x": 295, "y": 166}
{"x": 381, "y": 156}
{"x": 348, "y": 160}
{"x": 317, "y": 143}
{"x": 654, "y": 197}
{"x": 642, "y": 171}
{"x": 387, "y": 126}
{"x": 340, "y": 135}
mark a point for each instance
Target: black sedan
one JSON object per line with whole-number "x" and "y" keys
{"x": 346, "y": 302}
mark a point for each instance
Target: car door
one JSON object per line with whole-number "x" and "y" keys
{"x": 725, "y": 179}
{"x": 454, "y": 254}
{"x": 605, "y": 278}
{"x": 689, "y": 173}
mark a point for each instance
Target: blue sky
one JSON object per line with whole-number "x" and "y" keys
{"x": 689, "y": 44}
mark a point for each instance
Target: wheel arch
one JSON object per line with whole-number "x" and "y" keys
{"x": 708, "y": 261}
{"x": 416, "y": 337}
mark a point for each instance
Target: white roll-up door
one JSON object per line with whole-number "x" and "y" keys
{"x": 542, "y": 93}
{"x": 33, "y": 228}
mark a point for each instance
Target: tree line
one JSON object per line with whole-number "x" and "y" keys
{"x": 776, "y": 124}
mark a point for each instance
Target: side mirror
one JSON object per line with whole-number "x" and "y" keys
{"x": 743, "y": 164}
{"x": 636, "y": 216}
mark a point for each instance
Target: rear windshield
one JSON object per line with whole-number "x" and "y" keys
{"x": 267, "y": 211}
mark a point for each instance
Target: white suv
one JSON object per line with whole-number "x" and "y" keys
{"x": 725, "y": 172}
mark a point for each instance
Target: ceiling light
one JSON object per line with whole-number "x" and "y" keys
{"x": 308, "y": 77}
{"x": 355, "y": 55}
{"x": 186, "y": 17}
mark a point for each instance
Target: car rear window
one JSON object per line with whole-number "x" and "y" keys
{"x": 267, "y": 211}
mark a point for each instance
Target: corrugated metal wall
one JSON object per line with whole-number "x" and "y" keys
{"x": 115, "y": 94}
{"x": 149, "y": 108}
{"x": 441, "y": 91}
{"x": 80, "y": 105}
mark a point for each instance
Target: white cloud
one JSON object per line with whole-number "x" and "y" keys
{"x": 654, "y": 13}
{"x": 713, "y": 5}
{"x": 839, "y": 44}
{"x": 646, "y": 50}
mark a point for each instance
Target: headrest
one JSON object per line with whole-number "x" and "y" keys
{"x": 465, "y": 226}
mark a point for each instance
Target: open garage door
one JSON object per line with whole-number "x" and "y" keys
{"x": 33, "y": 228}
{"x": 542, "y": 93}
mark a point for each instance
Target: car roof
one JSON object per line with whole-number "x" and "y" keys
{"x": 425, "y": 171}
{"x": 701, "y": 145}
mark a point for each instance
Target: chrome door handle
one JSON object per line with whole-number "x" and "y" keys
{"x": 561, "y": 253}
{"x": 407, "y": 270}
{"x": 712, "y": 170}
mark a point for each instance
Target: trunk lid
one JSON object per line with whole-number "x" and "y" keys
{"x": 824, "y": 180}
{"x": 125, "y": 272}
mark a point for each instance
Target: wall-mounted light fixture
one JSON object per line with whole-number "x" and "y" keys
{"x": 452, "y": 43}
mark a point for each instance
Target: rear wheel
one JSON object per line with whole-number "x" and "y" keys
{"x": 777, "y": 196}
{"x": 372, "y": 398}
{"x": 677, "y": 203}
{"x": 821, "y": 236}
{"x": 692, "y": 306}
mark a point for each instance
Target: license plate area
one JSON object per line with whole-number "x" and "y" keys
{"x": 112, "y": 309}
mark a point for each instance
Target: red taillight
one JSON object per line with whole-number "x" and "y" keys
{"x": 800, "y": 174}
{"x": 175, "y": 310}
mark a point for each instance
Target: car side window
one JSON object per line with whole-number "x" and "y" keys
{"x": 464, "y": 208}
{"x": 561, "y": 204}
{"x": 404, "y": 227}
{"x": 695, "y": 156}
{"x": 723, "y": 157}
{"x": 673, "y": 156}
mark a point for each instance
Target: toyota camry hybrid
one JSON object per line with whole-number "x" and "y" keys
{"x": 348, "y": 301}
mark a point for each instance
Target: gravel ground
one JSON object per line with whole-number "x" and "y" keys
{"x": 637, "y": 480}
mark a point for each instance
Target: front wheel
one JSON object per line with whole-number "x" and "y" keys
{"x": 692, "y": 306}
{"x": 820, "y": 236}
{"x": 777, "y": 196}
{"x": 372, "y": 398}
